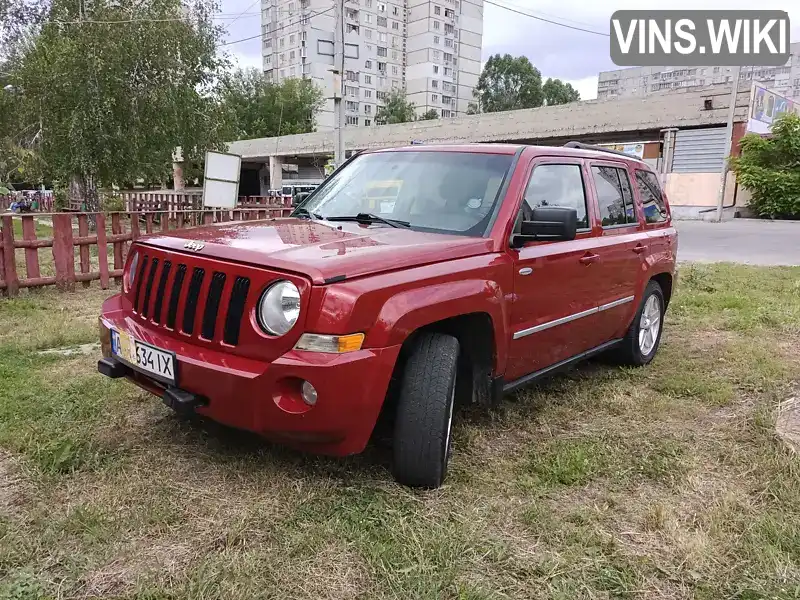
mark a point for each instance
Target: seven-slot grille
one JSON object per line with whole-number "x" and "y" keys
{"x": 157, "y": 296}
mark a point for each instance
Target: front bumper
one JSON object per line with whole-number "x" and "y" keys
{"x": 265, "y": 397}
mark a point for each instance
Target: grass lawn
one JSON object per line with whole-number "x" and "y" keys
{"x": 661, "y": 482}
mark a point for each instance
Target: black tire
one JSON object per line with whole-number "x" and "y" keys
{"x": 424, "y": 415}
{"x": 629, "y": 351}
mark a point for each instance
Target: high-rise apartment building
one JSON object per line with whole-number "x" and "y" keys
{"x": 429, "y": 48}
{"x": 642, "y": 81}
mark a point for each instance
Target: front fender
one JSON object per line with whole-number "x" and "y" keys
{"x": 407, "y": 311}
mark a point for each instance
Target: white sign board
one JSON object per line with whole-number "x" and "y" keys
{"x": 221, "y": 180}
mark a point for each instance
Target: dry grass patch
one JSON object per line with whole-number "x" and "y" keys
{"x": 662, "y": 482}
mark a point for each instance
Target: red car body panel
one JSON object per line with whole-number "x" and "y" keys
{"x": 387, "y": 283}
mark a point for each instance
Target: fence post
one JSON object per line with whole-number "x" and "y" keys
{"x": 83, "y": 251}
{"x": 9, "y": 259}
{"x": 135, "y": 226}
{"x": 63, "y": 253}
{"x": 31, "y": 254}
{"x": 102, "y": 250}
{"x": 116, "y": 229}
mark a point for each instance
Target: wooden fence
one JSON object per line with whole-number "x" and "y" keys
{"x": 100, "y": 254}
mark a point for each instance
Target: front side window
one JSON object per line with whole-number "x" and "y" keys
{"x": 655, "y": 211}
{"x": 614, "y": 197}
{"x": 555, "y": 185}
{"x": 443, "y": 192}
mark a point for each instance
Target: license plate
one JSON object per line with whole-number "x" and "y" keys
{"x": 147, "y": 358}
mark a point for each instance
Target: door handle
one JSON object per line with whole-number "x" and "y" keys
{"x": 588, "y": 259}
{"x": 639, "y": 248}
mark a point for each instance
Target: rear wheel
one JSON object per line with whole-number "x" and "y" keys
{"x": 424, "y": 419}
{"x": 644, "y": 335}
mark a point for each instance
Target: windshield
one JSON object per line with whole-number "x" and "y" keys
{"x": 448, "y": 192}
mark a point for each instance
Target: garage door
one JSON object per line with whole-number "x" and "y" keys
{"x": 699, "y": 150}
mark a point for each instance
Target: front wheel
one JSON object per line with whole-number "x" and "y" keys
{"x": 644, "y": 334}
{"x": 424, "y": 418}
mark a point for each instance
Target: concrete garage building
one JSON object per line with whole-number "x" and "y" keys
{"x": 682, "y": 135}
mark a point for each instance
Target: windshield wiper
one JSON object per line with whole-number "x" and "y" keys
{"x": 300, "y": 211}
{"x": 369, "y": 218}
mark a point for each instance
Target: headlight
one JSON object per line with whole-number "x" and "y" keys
{"x": 279, "y": 307}
{"x": 132, "y": 270}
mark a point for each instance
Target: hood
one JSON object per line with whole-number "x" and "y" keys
{"x": 319, "y": 249}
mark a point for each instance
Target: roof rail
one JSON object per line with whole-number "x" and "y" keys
{"x": 582, "y": 146}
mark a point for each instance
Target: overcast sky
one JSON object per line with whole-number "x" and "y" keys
{"x": 570, "y": 55}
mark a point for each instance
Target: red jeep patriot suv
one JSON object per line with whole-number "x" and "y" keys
{"x": 412, "y": 279}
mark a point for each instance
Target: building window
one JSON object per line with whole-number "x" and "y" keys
{"x": 350, "y": 105}
{"x": 382, "y": 51}
{"x": 382, "y": 21}
{"x": 283, "y": 58}
{"x": 434, "y": 97}
{"x": 291, "y": 39}
{"x": 367, "y": 122}
{"x": 292, "y": 72}
{"x": 436, "y": 25}
{"x": 436, "y": 39}
{"x": 448, "y": 28}
{"x": 437, "y": 10}
{"x": 449, "y": 13}
{"x": 435, "y": 84}
{"x": 291, "y": 55}
{"x": 351, "y": 120}
{"x": 394, "y": 69}
{"x": 395, "y": 11}
{"x": 368, "y": 34}
{"x": 367, "y": 78}
{"x": 351, "y": 91}
{"x": 382, "y": 36}
{"x": 446, "y": 114}
{"x": 381, "y": 7}
{"x": 368, "y": 3}
{"x": 368, "y": 109}
{"x": 382, "y": 81}
{"x": 448, "y": 57}
{"x": 367, "y": 64}
{"x": 382, "y": 68}
{"x": 448, "y": 42}
{"x": 283, "y": 73}
{"x": 268, "y": 43}
{"x": 448, "y": 71}
{"x": 352, "y": 28}
{"x": 445, "y": 86}
{"x": 436, "y": 55}
{"x": 351, "y": 75}
{"x": 394, "y": 54}
{"x": 367, "y": 93}
{"x": 283, "y": 42}
{"x": 435, "y": 69}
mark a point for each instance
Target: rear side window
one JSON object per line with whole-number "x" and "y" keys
{"x": 614, "y": 196}
{"x": 556, "y": 185}
{"x": 655, "y": 210}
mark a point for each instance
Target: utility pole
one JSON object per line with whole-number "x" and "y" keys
{"x": 338, "y": 82}
{"x": 728, "y": 136}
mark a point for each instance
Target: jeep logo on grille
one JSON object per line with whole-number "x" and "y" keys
{"x": 196, "y": 246}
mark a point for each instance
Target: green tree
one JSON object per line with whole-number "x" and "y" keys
{"x": 396, "y": 109}
{"x": 473, "y": 108}
{"x": 257, "y": 108}
{"x": 508, "y": 83}
{"x": 115, "y": 99}
{"x": 429, "y": 115}
{"x": 557, "y": 92}
{"x": 770, "y": 168}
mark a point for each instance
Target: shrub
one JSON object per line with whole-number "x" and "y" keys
{"x": 770, "y": 168}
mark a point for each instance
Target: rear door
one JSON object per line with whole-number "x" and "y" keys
{"x": 656, "y": 215}
{"x": 623, "y": 246}
{"x": 555, "y": 285}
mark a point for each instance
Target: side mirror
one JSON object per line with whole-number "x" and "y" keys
{"x": 548, "y": 223}
{"x": 299, "y": 198}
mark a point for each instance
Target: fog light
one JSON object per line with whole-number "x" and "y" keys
{"x": 309, "y": 393}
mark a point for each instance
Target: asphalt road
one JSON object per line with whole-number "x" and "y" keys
{"x": 746, "y": 241}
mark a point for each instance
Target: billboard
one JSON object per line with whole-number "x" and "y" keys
{"x": 634, "y": 149}
{"x": 765, "y": 107}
